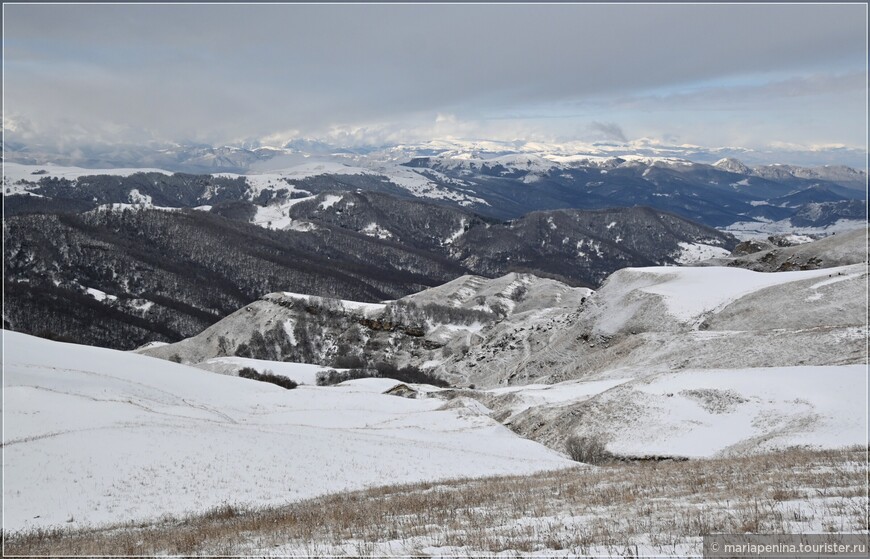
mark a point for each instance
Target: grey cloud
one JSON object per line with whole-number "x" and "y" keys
{"x": 609, "y": 130}
{"x": 762, "y": 96}
{"x": 215, "y": 73}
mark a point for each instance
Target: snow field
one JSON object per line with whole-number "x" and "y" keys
{"x": 687, "y": 293}
{"x": 720, "y": 412}
{"x": 302, "y": 373}
{"x": 96, "y": 436}
{"x": 14, "y": 172}
{"x": 697, "y": 413}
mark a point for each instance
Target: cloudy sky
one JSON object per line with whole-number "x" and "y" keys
{"x": 766, "y": 77}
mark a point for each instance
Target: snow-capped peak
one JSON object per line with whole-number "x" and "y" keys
{"x": 732, "y": 165}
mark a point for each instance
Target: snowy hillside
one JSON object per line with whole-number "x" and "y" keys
{"x": 699, "y": 413}
{"x": 660, "y": 362}
{"x": 262, "y": 186}
{"x": 514, "y": 293}
{"x": 657, "y": 299}
{"x": 14, "y": 174}
{"x": 656, "y": 319}
{"x": 415, "y": 329}
{"x": 301, "y": 373}
{"x": 520, "y": 329}
{"x": 94, "y": 436}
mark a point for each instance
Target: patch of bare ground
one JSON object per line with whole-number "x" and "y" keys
{"x": 646, "y": 508}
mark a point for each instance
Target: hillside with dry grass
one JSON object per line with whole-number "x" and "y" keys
{"x": 618, "y": 509}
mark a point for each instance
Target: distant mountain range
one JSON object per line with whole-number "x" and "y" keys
{"x": 253, "y": 155}
{"x": 726, "y": 194}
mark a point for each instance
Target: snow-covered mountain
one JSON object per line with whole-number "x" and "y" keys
{"x": 835, "y": 173}
{"x": 665, "y": 319}
{"x": 417, "y": 329}
{"x": 732, "y": 166}
{"x": 198, "y": 158}
{"x": 500, "y": 181}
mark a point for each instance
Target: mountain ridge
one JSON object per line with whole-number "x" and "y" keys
{"x": 131, "y": 275}
{"x": 501, "y": 187}
{"x": 527, "y": 329}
